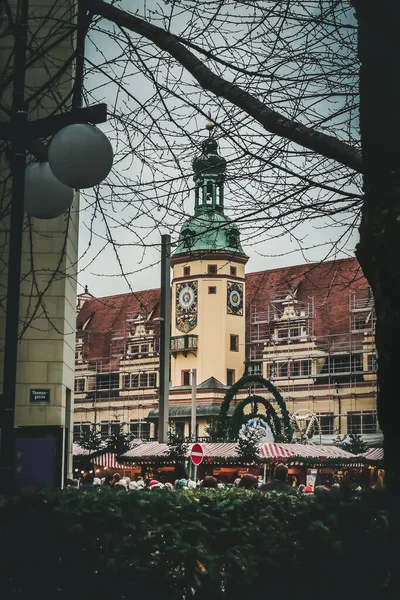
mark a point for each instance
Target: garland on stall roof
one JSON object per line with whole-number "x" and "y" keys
{"x": 222, "y": 429}
{"x": 290, "y": 461}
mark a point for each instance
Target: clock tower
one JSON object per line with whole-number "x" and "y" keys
{"x": 208, "y": 287}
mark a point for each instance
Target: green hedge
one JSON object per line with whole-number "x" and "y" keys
{"x": 207, "y": 545}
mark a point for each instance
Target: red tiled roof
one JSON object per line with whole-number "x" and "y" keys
{"x": 328, "y": 283}
{"x": 106, "y": 316}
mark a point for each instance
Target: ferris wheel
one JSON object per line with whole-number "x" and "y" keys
{"x": 305, "y": 424}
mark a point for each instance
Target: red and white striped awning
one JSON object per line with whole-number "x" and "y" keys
{"x": 302, "y": 451}
{"x": 148, "y": 449}
{"x": 152, "y": 450}
{"x": 101, "y": 459}
{"x": 108, "y": 459}
{"x": 373, "y": 454}
{"x": 221, "y": 450}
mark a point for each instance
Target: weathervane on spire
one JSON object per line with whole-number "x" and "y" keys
{"x": 210, "y": 125}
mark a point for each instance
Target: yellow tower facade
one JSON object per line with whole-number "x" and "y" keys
{"x": 208, "y": 288}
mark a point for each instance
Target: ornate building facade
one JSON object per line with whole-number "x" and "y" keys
{"x": 308, "y": 328}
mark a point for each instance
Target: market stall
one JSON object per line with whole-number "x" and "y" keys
{"x": 99, "y": 462}
{"x": 222, "y": 461}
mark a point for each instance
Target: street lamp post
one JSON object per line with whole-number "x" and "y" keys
{"x": 165, "y": 337}
{"x": 23, "y": 135}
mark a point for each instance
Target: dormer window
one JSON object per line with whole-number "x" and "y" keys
{"x": 188, "y": 238}
{"x": 232, "y": 237}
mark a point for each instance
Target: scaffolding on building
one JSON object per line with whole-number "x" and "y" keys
{"x": 283, "y": 346}
{"x": 123, "y": 382}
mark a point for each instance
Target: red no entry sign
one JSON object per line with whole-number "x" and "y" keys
{"x": 196, "y": 454}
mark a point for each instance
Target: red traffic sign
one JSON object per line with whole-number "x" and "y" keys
{"x": 196, "y": 454}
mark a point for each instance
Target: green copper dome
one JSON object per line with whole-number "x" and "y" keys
{"x": 209, "y": 232}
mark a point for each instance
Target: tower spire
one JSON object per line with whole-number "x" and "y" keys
{"x": 210, "y": 125}
{"x": 209, "y": 175}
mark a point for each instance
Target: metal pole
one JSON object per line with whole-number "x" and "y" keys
{"x": 165, "y": 335}
{"x": 17, "y": 164}
{"x": 193, "y": 412}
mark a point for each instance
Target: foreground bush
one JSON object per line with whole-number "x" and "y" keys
{"x": 212, "y": 545}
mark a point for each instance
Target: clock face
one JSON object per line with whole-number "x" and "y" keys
{"x": 235, "y": 298}
{"x": 186, "y": 297}
{"x": 186, "y": 306}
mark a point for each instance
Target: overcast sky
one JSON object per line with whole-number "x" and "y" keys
{"x": 100, "y": 269}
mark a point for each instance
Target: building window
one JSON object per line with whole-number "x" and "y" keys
{"x": 180, "y": 428}
{"x": 212, "y": 289}
{"x": 295, "y": 368}
{"x": 234, "y": 343}
{"x": 109, "y": 381}
{"x": 291, "y": 333}
{"x": 372, "y": 362}
{"x": 300, "y": 368}
{"x": 186, "y": 271}
{"x": 80, "y": 429}
{"x": 79, "y": 385}
{"x": 144, "y": 349}
{"x": 283, "y": 369}
{"x": 152, "y": 380}
{"x": 143, "y": 380}
{"x": 270, "y": 370}
{"x": 233, "y": 271}
{"x": 212, "y": 269}
{"x": 185, "y": 377}
{"x": 104, "y": 430}
{"x": 127, "y": 382}
{"x": 140, "y": 430}
{"x": 115, "y": 428}
{"x": 230, "y": 377}
{"x": 326, "y": 423}
{"x": 345, "y": 363}
{"x": 254, "y": 369}
{"x": 135, "y": 381}
{"x": 361, "y": 422}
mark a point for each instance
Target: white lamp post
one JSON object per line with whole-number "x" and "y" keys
{"x": 80, "y": 156}
{"x": 45, "y": 196}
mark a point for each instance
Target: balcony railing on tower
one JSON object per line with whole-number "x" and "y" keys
{"x": 184, "y": 343}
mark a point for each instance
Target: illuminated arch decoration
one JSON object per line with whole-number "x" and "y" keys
{"x": 305, "y": 422}
{"x": 239, "y": 418}
{"x": 223, "y": 430}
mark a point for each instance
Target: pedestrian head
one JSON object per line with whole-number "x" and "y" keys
{"x": 181, "y": 484}
{"x": 209, "y": 482}
{"x": 281, "y": 472}
{"x": 249, "y": 482}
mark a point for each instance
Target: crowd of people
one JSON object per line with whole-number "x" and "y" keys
{"x": 248, "y": 481}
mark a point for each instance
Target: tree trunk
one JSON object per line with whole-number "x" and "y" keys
{"x": 379, "y": 249}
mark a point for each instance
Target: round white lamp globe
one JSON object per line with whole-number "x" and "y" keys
{"x": 80, "y": 156}
{"x": 45, "y": 196}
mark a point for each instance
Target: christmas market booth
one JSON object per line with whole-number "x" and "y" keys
{"x": 98, "y": 463}
{"x": 372, "y": 474}
{"x": 321, "y": 463}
